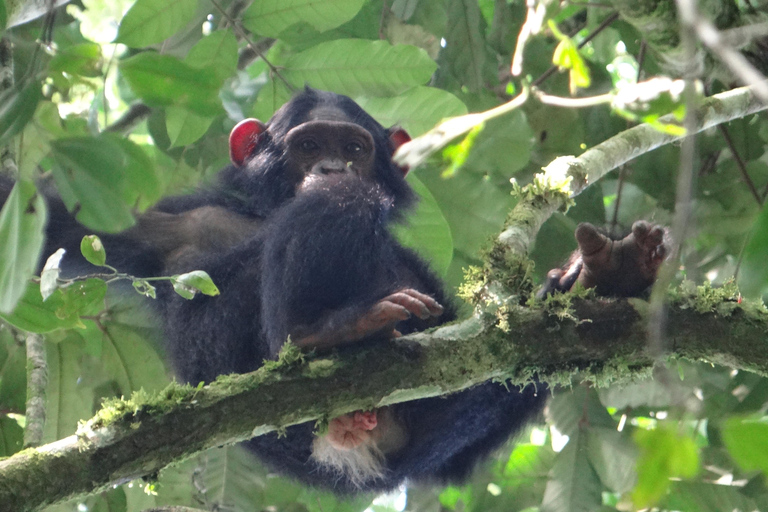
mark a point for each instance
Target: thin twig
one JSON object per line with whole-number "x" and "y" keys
{"x": 740, "y": 163}
{"x": 605, "y": 24}
{"x": 37, "y": 382}
{"x": 241, "y": 33}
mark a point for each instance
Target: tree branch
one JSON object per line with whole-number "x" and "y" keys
{"x": 605, "y": 338}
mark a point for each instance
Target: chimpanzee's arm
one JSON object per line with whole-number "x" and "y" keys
{"x": 333, "y": 274}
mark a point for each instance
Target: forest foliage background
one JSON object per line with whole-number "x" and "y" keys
{"x": 116, "y": 103}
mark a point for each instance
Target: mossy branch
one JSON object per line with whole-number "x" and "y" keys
{"x": 599, "y": 340}
{"x": 567, "y": 176}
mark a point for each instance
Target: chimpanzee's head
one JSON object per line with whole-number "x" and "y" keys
{"x": 316, "y": 136}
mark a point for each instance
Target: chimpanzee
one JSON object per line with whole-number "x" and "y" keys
{"x": 625, "y": 267}
{"x": 295, "y": 234}
{"x": 323, "y": 269}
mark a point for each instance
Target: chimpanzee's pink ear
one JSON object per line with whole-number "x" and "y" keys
{"x": 398, "y": 137}
{"x": 243, "y": 139}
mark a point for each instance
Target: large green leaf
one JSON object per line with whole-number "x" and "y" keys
{"x": 17, "y": 106}
{"x": 360, "y": 68}
{"x": 218, "y": 50}
{"x": 416, "y": 110}
{"x": 80, "y": 59}
{"x": 13, "y": 372}
{"x": 427, "y": 231}
{"x": 270, "y": 17}
{"x": 573, "y": 485}
{"x": 467, "y": 56}
{"x": 22, "y": 219}
{"x": 90, "y": 174}
{"x": 149, "y": 22}
{"x": 163, "y": 80}
{"x": 664, "y": 454}
{"x": 69, "y": 399}
{"x": 747, "y": 442}
{"x": 61, "y": 310}
{"x": 185, "y": 127}
{"x": 130, "y": 358}
{"x": 753, "y": 277}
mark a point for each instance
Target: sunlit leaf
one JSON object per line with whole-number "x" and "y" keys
{"x": 664, "y": 454}
{"x": 49, "y": 277}
{"x": 747, "y": 442}
{"x": 148, "y": 21}
{"x": 22, "y": 219}
{"x": 187, "y": 285}
{"x": 81, "y": 59}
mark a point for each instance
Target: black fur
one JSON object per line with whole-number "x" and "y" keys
{"x": 329, "y": 250}
{"x": 326, "y": 256}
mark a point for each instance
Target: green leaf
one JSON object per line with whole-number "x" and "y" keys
{"x": 13, "y": 372}
{"x": 707, "y": 497}
{"x": 613, "y": 455}
{"x": 528, "y": 462}
{"x": 163, "y": 80}
{"x": 59, "y": 311}
{"x": 664, "y": 454}
{"x": 271, "y": 97}
{"x": 426, "y": 230}
{"x": 753, "y": 276}
{"x": 11, "y": 434}
{"x": 356, "y": 68}
{"x": 569, "y": 409}
{"x": 185, "y": 127}
{"x": 142, "y": 187}
{"x": 187, "y": 285}
{"x": 271, "y": 17}
{"x": 217, "y": 51}
{"x": 416, "y": 110}
{"x": 467, "y": 56}
{"x": 144, "y": 287}
{"x": 747, "y": 442}
{"x": 573, "y": 485}
{"x": 3, "y": 16}
{"x": 68, "y": 399}
{"x": 93, "y": 250}
{"x": 81, "y": 59}
{"x": 17, "y": 106}
{"x": 90, "y": 173}
{"x": 22, "y": 220}
{"x": 130, "y": 359}
{"x": 149, "y": 22}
